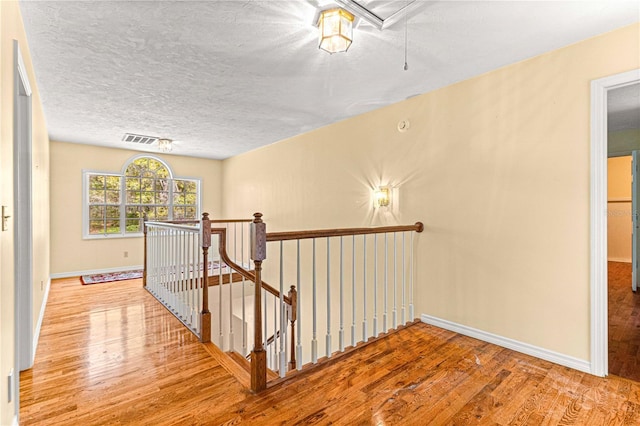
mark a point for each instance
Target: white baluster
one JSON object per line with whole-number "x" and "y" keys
{"x": 194, "y": 279}
{"x": 159, "y": 260}
{"x": 191, "y": 267}
{"x": 185, "y": 272}
{"x": 221, "y": 343}
{"x": 199, "y": 272}
{"x": 364, "y": 284}
{"x": 375, "y": 285}
{"x": 178, "y": 260}
{"x": 244, "y": 281}
{"x": 166, "y": 267}
{"x": 172, "y": 270}
{"x": 395, "y": 263}
{"x": 328, "y": 338}
{"x": 353, "y": 291}
{"x": 174, "y": 274}
{"x": 184, "y": 303}
{"x": 341, "y": 333}
{"x": 163, "y": 261}
{"x": 404, "y": 321}
{"x": 283, "y": 321}
{"x": 411, "y": 317}
{"x": 196, "y": 276}
{"x": 264, "y": 314}
{"x": 231, "y": 333}
{"x": 298, "y": 316}
{"x": 386, "y": 282}
{"x": 274, "y": 343}
{"x": 314, "y": 341}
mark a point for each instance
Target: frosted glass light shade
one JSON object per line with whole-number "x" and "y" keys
{"x": 336, "y": 30}
{"x": 382, "y": 197}
{"x": 165, "y": 145}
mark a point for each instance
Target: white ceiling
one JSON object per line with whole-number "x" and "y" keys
{"x": 225, "y": 77}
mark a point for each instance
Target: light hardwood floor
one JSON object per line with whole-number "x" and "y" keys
{"x": 110, "y": 354}
{"x": 624, "y": 323}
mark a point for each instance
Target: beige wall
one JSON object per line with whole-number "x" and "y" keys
{"x": 497, "y": 167}
{"x": 619, "y": 220}
{"x": 70, "y": 253}
{"x": 11, "y": 28}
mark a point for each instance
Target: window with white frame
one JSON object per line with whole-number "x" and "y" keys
{"x": 115, "y": 204}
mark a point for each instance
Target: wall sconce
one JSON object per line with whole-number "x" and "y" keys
{"x": 382, "y": 197}
{"x": 336, "y": 30}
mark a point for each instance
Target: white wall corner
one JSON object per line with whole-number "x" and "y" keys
{"x": 36, "y": 334}
{"x": 505, "y": 342}
{"x": 15, "y": 421}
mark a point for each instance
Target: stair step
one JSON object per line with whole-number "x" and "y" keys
{"x": 226, "y": 279}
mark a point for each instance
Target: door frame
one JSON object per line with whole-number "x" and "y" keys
{"x": 22, "y": 221}
{"x": 598, "y": 210}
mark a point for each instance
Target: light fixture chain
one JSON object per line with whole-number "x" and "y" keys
{"x": 406, "y": 19}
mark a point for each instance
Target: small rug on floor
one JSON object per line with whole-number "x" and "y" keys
{"x": 109, "y": 277}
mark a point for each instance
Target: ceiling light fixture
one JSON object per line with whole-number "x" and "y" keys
{"x": 336, "y": 30}
{"x": 165, "y": 145}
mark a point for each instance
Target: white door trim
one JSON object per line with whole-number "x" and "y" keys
{"x": 22, "y": 223}
{"x": 598, "y": 268}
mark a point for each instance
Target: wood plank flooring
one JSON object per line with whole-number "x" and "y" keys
{"x": 111, "y": 354}
{"x": 624, "y": 323}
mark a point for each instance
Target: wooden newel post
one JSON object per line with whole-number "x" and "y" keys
{"x": 205, "y": 315}
{"x": 144, "y": 230}
{"x": 258, "y": 254}
{"x": 292, "y": 314}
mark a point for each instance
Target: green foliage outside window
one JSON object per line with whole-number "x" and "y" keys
{"x": 145, "y": 188}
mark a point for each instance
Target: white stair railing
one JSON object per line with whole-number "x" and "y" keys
{"x": 368, "y": 282}
{"x": 322, "y": 270}
{"x": 174, "y": 270}
{"x": 231, "y": 294}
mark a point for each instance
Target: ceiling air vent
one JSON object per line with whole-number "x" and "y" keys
{"x": 145, "y": 140}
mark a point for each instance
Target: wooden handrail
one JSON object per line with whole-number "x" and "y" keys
{"x": 269, "y": 341}
{"x": 222, "y": 249}
{"x": 178, "y": 222}
{"x": 197, "y": 222}
{"x": 323, "y": 233}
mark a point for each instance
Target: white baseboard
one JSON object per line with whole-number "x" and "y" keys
{"x": 619, "y": 259}
{"x": 96, "y": 271}
{"x": 505, "y": 342}
{"x": 36, "y": 334}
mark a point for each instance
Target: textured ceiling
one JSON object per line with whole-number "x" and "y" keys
{"x": 225, "y": 77}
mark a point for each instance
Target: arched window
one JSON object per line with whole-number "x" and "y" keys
{"x": 116, "y": 203}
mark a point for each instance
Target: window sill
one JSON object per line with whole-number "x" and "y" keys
{"x": 111, "y": 236}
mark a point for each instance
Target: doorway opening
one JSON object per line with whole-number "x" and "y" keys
{"x": 623, "y": 299}
{"x": 623, "y": 230}
{"x": 598, "y": 213}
